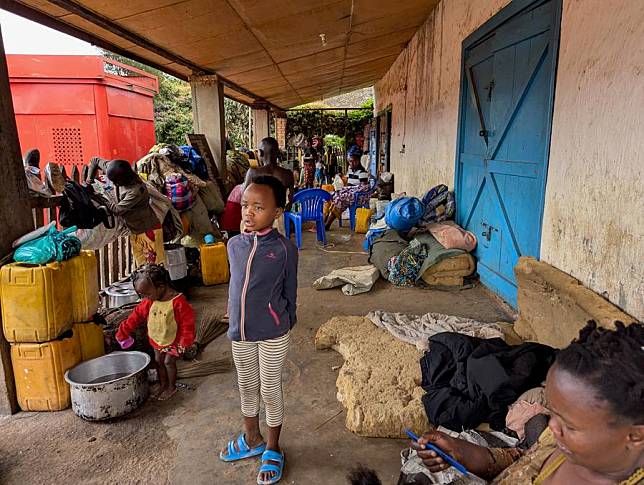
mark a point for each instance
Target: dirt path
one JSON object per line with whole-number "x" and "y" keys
{"x": 178, "y": 441}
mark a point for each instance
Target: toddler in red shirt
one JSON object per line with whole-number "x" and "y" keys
{"x": 170, "y": 320}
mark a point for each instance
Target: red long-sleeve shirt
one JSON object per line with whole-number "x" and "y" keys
{"x": 184, "y": 315}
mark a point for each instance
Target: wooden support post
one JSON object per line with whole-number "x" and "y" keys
{"x": 15, "y": 213}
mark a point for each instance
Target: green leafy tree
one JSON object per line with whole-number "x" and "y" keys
{"x": 173, "y": 107}
{"x": 324, "y": 123}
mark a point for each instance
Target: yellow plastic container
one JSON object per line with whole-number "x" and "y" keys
{"x": 36, "y": 301}
{"x": 363, "y": 220}
{"x": 91, "y": 340}
{"x": 214, "y": 264}
{"x": 84, "y": 280}
{"x": 39, "y": 372}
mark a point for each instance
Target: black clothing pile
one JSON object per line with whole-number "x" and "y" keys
{"x": 470, "y": 381}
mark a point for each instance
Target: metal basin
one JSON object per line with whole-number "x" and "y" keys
{"x": 109, "y": 386}
{"x": 120, "y": 294}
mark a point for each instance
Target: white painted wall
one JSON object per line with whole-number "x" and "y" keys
{"x": 594, "y": 217}
{"x": 423, "y": 88}
{"x": 593, "y": 226}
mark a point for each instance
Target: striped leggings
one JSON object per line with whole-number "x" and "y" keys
{"x": 259, "y": 370}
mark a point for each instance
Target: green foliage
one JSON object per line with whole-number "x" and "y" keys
{"x": 237, "y": 116}
{"x": 173, "y": 107}
{"x": 324, "y": 123}
{"x": 334, "y": 141}
{"x": 172, "y": 111}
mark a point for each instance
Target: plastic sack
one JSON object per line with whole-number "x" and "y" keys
{"x": 403, "y": 214}
{"x": 53, "y": 246}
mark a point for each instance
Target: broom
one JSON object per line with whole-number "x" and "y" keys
{"x": 199, "y": 368}
{"x": 209, "y": 327}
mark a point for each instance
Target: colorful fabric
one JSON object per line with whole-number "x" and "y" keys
{"x": 178, "y": 190}
{"x": 439, "y": 204}
{"x": 404, "y": 269}
{"x": 308, "y": 173}
{"x": 147, "y": 248}
{"x": 346, "y": 196}
{"x": 170, "y": 324}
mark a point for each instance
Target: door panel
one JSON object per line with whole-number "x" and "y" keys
{"x": 503, "y": 140}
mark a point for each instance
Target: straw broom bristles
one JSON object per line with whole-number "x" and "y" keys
{"x": 198, "y": 368}
{"x": 210, "y": 327}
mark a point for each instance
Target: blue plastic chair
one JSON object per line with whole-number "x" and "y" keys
{"x": 356, "y": 205}
{"x": 311, "y": 202}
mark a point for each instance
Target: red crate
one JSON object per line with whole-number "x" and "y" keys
{"x": 73, "y": 108}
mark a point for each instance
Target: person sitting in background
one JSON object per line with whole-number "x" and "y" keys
{"x": 595, "y": 397}
{"x": 231, "y": 219}
{"x": 133, "y": 204}
{"x": 357, "y": 181}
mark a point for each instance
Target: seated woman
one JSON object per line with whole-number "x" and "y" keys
{"x": 357, "y": 181}
{"x": 595, "y": 394}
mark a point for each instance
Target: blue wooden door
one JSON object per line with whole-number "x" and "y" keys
{"x": 504, "y": 137}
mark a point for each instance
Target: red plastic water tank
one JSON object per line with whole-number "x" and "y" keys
{"x": 73, "y": 108}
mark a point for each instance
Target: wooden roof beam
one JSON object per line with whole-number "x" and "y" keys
{"x": 110, "y": 26}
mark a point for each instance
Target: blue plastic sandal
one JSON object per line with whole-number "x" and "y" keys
{"x": 270, "y": 455}
{"x": 243, "y": 450}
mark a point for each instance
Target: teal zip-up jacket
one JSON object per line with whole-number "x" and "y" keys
{"x": 262, "y": 292}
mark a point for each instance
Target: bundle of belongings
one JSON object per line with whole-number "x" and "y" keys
{"x": 469, "y": 380}
{"x": 46, "y": 245}
{"x": 237, "y": 164}
{"x": 416, "y": 241}
{"x": 180, "y": 175}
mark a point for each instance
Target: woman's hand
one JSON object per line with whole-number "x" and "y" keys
{"x": 475, "y": 458}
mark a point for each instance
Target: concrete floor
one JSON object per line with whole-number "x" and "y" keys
{"x": 178, "y": 441}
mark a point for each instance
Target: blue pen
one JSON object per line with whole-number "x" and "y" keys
{"x": 440, "y": 453}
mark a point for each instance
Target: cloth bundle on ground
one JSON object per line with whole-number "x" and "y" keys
{"x": 452, "y": 236}
{"x": 449, "y": 272}
{"x": 355, "y": 280}
{"x": 416, "y": 329}
{"x": 391, "y": 244}
{"x": 439, "y": 204}
{"x": 469, "y": 380}
{"x": 405, "y": 268}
